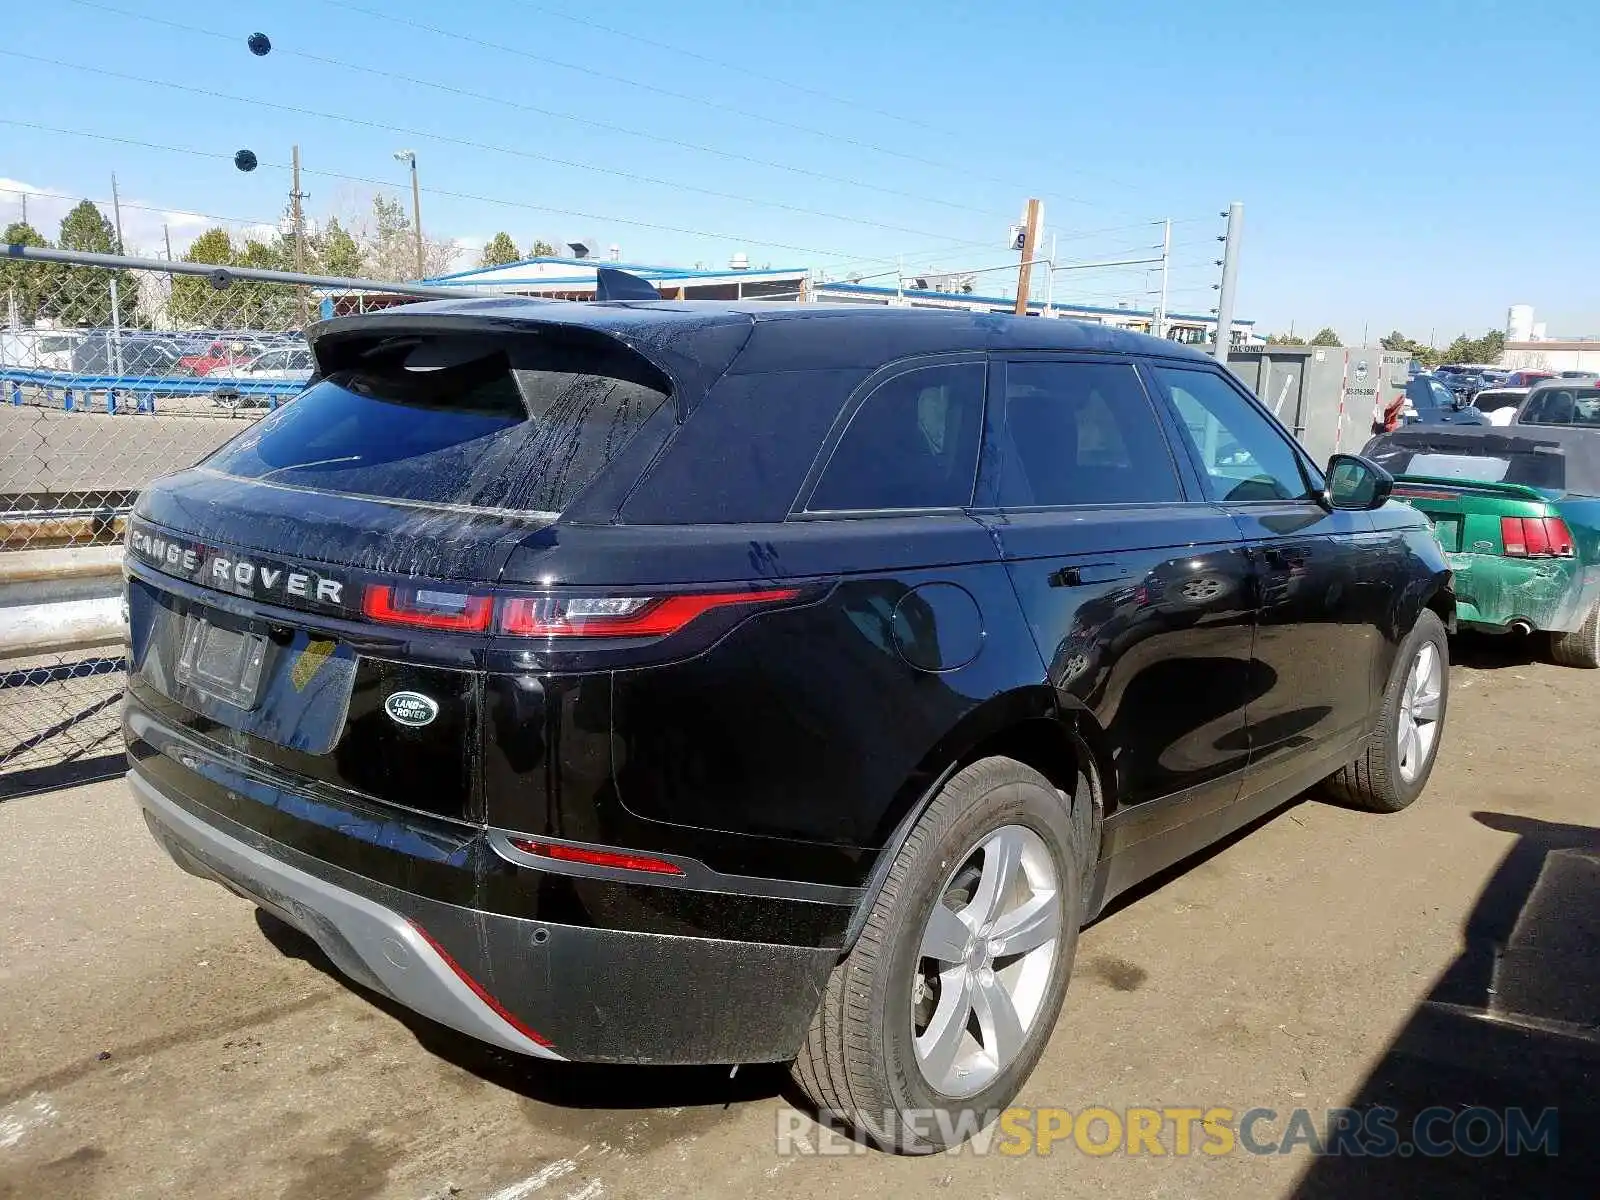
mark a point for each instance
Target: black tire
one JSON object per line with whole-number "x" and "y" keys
{"x": 1374, "y": 782}
{"x": 1581, "y": 647}
{"x": 859, "y": 1065}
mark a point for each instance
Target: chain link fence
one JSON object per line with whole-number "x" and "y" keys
{"x": 113, "y": 372}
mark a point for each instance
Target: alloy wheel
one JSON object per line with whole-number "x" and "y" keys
{"x": 1418, "y": 730}
{"x": 985, "y": 961}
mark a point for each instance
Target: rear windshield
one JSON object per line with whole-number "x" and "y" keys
{"x": 1493, "y": 401}
{"x": 1545, "y": 469}
{"x": 489, "y": 422}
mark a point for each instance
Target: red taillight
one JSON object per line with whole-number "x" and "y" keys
{"x": 620, "y": 616}
{"x": 427, "y": 608}
{"x": 598, "y": 858}
{"x": 1535, "y": 537}
{"x": 1560, "y": 537}
{"x": 1511, "y": 537}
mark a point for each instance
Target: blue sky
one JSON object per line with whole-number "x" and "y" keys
{"x": 1407, "y": 165}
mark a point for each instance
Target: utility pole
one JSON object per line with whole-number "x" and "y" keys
{"x": 116, "y": 299}
{"x": 1230, "y": 275}
{"x": 166, "y": 236}
{"x": 296, "y": 214}
{"x": 1050, "y": 281}
{"x": 116, "y": 213}
{"x": 1030, "y": 244}
{"x": 24, "y": 208}
{"x": 1159, "y": 326}
{"x": 410, "y": 156}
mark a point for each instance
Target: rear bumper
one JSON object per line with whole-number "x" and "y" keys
{"x": 1493, "y": 592}
{"x": 533, "y": 986}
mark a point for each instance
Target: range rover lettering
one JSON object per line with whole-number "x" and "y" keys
{"x": 650, "y": 682}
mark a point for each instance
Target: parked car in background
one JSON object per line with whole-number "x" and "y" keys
{"x": 752, "y": 682}
{"x": 1580, "y": 375}
{"x": 291, "y": 366}
{"x": 1517, "y": 512}
{"x": 216, "y": 356}
{"x": 1430, "y": 402}
{"x": 1574, "y": 402}
{"x": 38, "y": 349}
{"x": 1499, "y": 404}
{"x": 1525, "y": 378}
{"x": 135, "y": 353}
{"x": 1467, "y": 379}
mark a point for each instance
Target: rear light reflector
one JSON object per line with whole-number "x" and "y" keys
{"x": 598, "y": 858}
{"x": 427, "y": 608}
{"x": 477, "y": 988}
{"x": 1536, "y": 537}
{"x": 620, "y": 616}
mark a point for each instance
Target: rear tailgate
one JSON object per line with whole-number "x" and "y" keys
{"x": 272, "y": 655}
{"x": 315, "y": 596}
{"x": 1466, "y": 515}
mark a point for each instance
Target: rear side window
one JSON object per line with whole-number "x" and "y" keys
{"x": 1563, "y": 406}
{"x": 913, "y": 444}
{"x": 1081, "y": 433}
{"x": 521, "y": 422}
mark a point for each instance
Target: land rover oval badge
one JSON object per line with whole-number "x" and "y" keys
{"x": 411, "y": 708}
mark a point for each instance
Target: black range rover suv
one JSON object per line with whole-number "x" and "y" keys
{"x": 665, "y": 683}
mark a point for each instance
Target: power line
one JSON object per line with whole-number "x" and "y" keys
{"x": 451, "y": 89}
{"x": 450, "y": 139}
{"x": 725, "y": 65}
{"x": 155, "y": 208}
{"x": 389, "y": 185}
{"x": 965, "y": 171}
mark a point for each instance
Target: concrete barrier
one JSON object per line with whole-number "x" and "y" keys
{"x": 58, "y": 600}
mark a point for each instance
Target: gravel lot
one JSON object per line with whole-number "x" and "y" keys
{"x": 157, "y": 1040}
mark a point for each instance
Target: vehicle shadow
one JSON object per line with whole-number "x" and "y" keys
{"x": 1488, "y": 651}
{"x": 1513, "y": 1023}
{"x": 559, "y": 1086}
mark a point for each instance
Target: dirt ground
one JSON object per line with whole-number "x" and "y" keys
{"x": 157, "y": 1040}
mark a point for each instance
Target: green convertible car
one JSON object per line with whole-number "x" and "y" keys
{"x": 1517, "y": 511}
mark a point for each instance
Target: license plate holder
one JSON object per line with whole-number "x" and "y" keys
{"x": 224, "y": 664}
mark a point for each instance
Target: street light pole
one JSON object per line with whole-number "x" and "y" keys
{"x": 410, "y": 156}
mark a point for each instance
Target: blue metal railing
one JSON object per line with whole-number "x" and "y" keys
{"x": 135, "y": 393}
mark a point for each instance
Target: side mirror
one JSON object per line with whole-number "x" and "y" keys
{"x": 1356, "y": 483}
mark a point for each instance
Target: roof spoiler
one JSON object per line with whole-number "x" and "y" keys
{"x": 612, "y": 284}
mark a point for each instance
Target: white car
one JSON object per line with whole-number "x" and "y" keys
{"x": 292, "y": 366}
{"x": 38, "y": 349}
{"x": 1499, "y": 405}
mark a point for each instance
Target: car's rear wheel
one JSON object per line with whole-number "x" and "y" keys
{"x": 1581, "y": 647}
{"x": 929, "y": 1027}
{"x": 1403, "y": 746}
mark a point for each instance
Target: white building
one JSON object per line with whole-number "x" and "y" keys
{"x": 1529, "y": 346}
